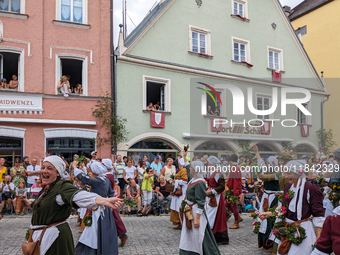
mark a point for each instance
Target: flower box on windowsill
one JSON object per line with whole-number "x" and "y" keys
{"x": 271, "y": 70}
{"x": 242, "y": 63}
{"x": 13, "y": 15}
{"x": 201, "y": 54}
{"x": 166, "y": 113}
{"x": 71, "y": 24}
{"x": 240, "y": 17}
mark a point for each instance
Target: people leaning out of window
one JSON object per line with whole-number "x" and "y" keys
{"x": 78, "y": 89}
{"x": 13, "y": 84}
{"x": 154, "y": 107}
{"x": 63, "y": 86}
{"x": 213, "y": 113}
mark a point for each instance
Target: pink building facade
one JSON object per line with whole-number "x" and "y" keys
{"x": 40, "y": 41}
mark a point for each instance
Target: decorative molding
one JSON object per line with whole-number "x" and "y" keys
{"x": 70, "y": 132}
{"x": 12, "y": 132}
{"x": 71, "y": 24}
{"x": 202, "y": 72}
{"x": 236, "y": 137}
{"x": 17, "y": 41}
{"x": 69, "y": 48}
{"x": 151, "y": 135}
{"x": 199, "y": 3}
{"x": 49, "y": 121}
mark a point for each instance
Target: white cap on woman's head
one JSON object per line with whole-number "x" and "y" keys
{"x": 181, "y": 162}
{"x": 57, "y": 162}
{"x": 198, "y": 166}
{"x": 98, "y": 168}
{"x": 107, "y": 163}
{"x": 212, "y": 160}
{"x": 296, "y": 166}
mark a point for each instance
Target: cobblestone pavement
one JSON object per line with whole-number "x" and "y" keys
{"x": 148, "y": 235}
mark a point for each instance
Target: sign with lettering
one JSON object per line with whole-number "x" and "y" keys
{"x": 18, "y": 103}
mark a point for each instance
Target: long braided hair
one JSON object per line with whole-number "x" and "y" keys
{"x": 43, "y": 193}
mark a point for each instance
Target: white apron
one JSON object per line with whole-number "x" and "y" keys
{"x": 51, "y": 234}
{"x": 306, "y": 246}
{"x": 177, "y": 201}
{"x": 270, "y": 198}
{"x": 212, "y": 211}
{"x": 272, "y": 236}
{"x": 192, "y": 240}
{"x": 89, "y": 237}
{"x": 82, "y": 212}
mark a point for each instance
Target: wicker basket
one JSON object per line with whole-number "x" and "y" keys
{"x": 169, "y": 188}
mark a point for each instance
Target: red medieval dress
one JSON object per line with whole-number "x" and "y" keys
{"x": 216, "y": 212}
{"x": 121, "y": 230}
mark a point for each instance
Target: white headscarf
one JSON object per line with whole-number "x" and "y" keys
{"x": 198, "y": 166}
{"x": 297, "y": 167}
{"x": 57, "y": 162}
{"x": 212, "y": 160}
{"x": 273, "y": 161}
{"x": 98, "y": 168}
{"x": 107, "y": 163}
{"x": 182, "y": 162}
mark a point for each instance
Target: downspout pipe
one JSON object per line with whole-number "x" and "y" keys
{"x": 113, "y": 76}
{"x": 322, "y": 118}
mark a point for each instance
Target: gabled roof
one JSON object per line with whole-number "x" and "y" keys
{"x": 306, "y": 7}
{"x": 145, "y": 23}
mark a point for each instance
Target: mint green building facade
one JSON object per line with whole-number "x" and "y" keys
{"x": 236, "y": 42}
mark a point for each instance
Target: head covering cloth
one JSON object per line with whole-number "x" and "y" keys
{"x": 198, "y": 166}
{"x": 107, "y": 163}
{"x": 57, "y": 162}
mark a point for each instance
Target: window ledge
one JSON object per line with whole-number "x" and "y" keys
{"x": 239, "y": 17}
{"x": 240, "y": 63}
{"x": 166, "y": 113}
{"x": 13, "y": 15}
{"x": 213, "y": 116}
{"x": 12, "y": 90}
{"x": 71, "y": 24}
{"x": 300, "y": 124}
{"x": 269, "y": 69}
{"x": 72, "y": 95}
{"x": 200, "y": 54}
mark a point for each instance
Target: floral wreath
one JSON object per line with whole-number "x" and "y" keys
{"x": 301, "y": 234}
{"x": 88, "y": 221}
{"x": 230, "y": 197}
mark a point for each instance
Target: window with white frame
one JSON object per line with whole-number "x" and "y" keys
{"x": 199, "y": 40}
{"x": 10, "y": 5}
{"x": 72, "y": 10}
{"x": 239, "y": 8}
{"x": 275, "y": 59}
{"x": 263, "y": 103}
{"x": 302, "y": 118}
{"x": 74, "y": 68}
{"x": 9, "y": 70}
{"x": 156, "y": 94}
{"x": 240, "y": 52}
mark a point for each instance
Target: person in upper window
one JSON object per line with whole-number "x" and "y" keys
{"x": 157, "y": 106}
{"x": 209, "y": 111}
{"x": 150, "y": 107}
{"x": 64, "y": 86}
{"x": 78, "y": 89}
{"x": 217, "y": 112}
{"x": 4, "y": 84}
{"x": 14, "y": 83}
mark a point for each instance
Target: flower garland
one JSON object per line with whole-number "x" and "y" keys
{"x": 182, "y": 208}
{"x": 88, "y": 219}
{"x": 229, "y": 195}
{"x": 301, "y": 234}
{"x": 27, "y": 235}
{"x": 333, "y": 195}
{"x": 257, "y": 226}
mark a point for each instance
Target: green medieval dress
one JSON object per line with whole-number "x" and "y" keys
{"x": 50, "y": 212}
{"x": 199, "y": 240}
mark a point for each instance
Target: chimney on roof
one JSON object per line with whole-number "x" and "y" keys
{"x": 121, "y": 45}
{"x": 287, "y": 10}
